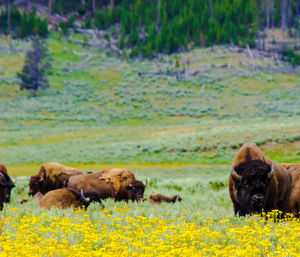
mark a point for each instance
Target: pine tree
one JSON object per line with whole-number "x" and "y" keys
{"x": 37, "y": 63}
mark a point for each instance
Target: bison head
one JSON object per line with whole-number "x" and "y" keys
{"x": 6, "y": 185}
{"x": 252, "y": 179}
{"x": 37, "y": 184}
{"x": 136, "y": 190}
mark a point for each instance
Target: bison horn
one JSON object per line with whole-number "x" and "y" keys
{"x": 271, "y": 173}
{"x": 83, "y": 197}
{"x": 128, "y": 181}
{"x": 236, "y": 176}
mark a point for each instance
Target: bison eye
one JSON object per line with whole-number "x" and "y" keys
{"x": 245, "y": 182}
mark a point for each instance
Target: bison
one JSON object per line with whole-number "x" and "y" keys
{"x": 6, "y": 185}
{"x": 67, "y": 197}
{"x": 51, "y": 176}
{"x": 257, "y": 184}
{"x": 119, "y": 184}
{"x": 294, "y": 202}
{"x": 159, "y": 198}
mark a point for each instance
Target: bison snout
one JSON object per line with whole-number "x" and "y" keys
{"x": 258, "y": 198}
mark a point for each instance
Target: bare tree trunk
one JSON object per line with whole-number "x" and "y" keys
{"x": 289, "y": 19}
{"x": 112, "y": 4}
{"x": 258, "y": 39}
{"x": 268, "y": 13}
{"x": 211, "y": 9}
{"x": 50, "y": 12}
{"x": 158, "y": 15}
{"x": 283, "y": 18}
{"x": 93, "y": 6}
{"x": 9, "y": 17}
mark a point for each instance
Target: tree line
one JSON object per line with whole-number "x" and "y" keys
{"x": 148, "y": 27}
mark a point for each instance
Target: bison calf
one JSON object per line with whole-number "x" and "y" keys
{"x": 67, "y": 197}
{"x": 159, "y": 198}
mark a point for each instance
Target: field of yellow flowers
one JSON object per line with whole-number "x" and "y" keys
{"x": 81, "y": 233}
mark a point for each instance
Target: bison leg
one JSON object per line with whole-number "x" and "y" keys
{"x": 237, "y": 210}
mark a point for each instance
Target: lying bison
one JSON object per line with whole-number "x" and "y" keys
{"x": 159, "y": 198}
{"x": 51, "y": 176}
{"x": 5, "y": 186}
{"x": 256, "y": 184}
{"x": 294, "y": 202}
{"x": 67, "y": 197}
{"x": 119, "y": 184}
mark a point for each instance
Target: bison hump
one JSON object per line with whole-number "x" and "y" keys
{"x": 249, "y": 151}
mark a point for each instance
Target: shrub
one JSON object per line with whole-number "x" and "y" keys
{"x": 33, "y": 75}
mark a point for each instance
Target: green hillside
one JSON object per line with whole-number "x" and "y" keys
{"x": 103, "y": 110}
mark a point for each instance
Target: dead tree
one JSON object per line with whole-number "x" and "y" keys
{"x": 93, "y": 6}
{"x": 50, "y": 12}
{"x": 8, "y": 17}
{"x": 283, "y": 18}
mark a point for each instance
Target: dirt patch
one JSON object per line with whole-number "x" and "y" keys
{"x": 174, "y": 131}
{"x": 271, "y": 146}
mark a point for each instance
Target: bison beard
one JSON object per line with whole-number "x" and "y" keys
{"x": 256, "y": 184}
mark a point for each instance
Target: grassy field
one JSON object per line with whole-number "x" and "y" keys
{"x": 179, "y": 133}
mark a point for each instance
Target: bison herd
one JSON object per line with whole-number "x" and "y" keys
{"x": 256, "y": 184}
{"x": 60, "y": 186}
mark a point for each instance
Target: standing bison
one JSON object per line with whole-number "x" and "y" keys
{"x": 5, "y": 186}
{"x": 51, "y": 175}
{"x": 256, "y": 184}
{"x": 119, "y": 184}
{"x": 294, "y": 202}
{"x": 67, "y": 197}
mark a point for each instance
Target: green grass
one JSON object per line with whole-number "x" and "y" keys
{"x": 180, "y": 134}
{"x": 194, "y": 184}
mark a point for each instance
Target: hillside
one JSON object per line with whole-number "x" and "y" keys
{"x": 104, "y": 110}
{"x": 175, "y": 122}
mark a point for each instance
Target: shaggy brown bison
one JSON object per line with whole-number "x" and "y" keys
{"x": 119, "y": 184}
{"x": 67, "y": 197}
{"x": 294, "y": 202}
{"x": 51, "y": 175}
{"x": 5, "y": 186}
{"x": 125, "y": 184}
{"x": 256, "y": 184}
{"x": 159, "y": 198}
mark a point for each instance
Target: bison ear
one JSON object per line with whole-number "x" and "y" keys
{"x": 129, "y": 186}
